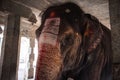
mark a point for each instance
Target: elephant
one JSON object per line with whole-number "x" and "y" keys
{"x": 72, "y": 45}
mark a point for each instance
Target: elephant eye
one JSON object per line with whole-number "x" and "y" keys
{"x": 67, "y": 40}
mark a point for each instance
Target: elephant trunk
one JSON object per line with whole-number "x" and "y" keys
{"x": 49, "y": 62}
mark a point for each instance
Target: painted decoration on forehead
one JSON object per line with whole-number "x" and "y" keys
{"x": 50, "y": 31}
{"x": 52, "y": 21}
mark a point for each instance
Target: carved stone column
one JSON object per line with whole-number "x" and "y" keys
{"x": 31, "y": 58}
{"x": 28, "y": 30}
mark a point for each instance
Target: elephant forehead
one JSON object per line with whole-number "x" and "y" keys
{"x": 50, "y": 31}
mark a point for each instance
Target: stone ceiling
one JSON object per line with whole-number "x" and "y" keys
{"x": 41, "y": 4}
{"x": 98, "y": 8}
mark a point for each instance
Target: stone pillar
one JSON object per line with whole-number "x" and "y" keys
{"x": 31, "y": 59}
{"x": 8, "y": 62}
{"x": 114, "y": 6}
{"x": 19, "y": 44}
{"x": 114, "y": 9}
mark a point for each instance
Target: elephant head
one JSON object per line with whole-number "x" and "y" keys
{"x": 71, "y": 45}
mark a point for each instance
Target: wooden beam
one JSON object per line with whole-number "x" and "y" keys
{"x": 10, "y": 54}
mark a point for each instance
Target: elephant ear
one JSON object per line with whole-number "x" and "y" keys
{"x": 93, "y": 33}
